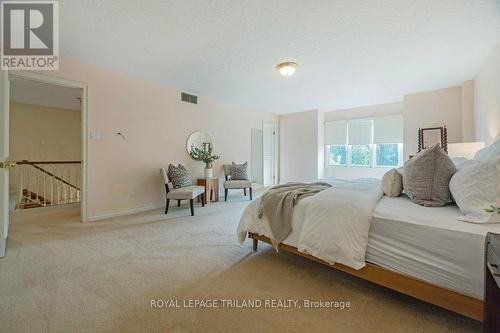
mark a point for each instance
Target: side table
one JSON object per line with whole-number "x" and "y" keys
{"x": 211, "y": 189}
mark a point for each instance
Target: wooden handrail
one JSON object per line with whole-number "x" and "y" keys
{"x": 48, "y": 162}
{"x": 52, "y": 175}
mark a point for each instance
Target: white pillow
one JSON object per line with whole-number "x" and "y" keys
{"x": 489, "y": 153}
{"x": 458, "y": 161}
{"x": 473, "y": 187}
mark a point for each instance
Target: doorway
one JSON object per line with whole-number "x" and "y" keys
{"x": 257, "y": 157}
{"x": 45, "y": 143}
{"x": 44, "y": 125}
{"x": 263, "y": 154}
{"x": 269, "y": 153}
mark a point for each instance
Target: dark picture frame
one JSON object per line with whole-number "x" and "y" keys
{"x": 430, "y": 136}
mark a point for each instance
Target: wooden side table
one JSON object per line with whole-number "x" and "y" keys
{"x": 211, "y": 189}
{"x": 491, "y": 319}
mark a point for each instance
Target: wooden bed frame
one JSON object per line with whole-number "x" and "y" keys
{"x": 451, "y": 300}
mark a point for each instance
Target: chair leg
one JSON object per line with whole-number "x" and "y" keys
{"x": 254, "y": 244}
{"x": 191, "y": 204}
{"x": 245, "y": 192}
{"x": 250, "y": 194}
{"x": 202, "y": 200}
{"x": 178, "y": 203}
{"x": 225, "y": 194}
{"x": 166, "y": 208}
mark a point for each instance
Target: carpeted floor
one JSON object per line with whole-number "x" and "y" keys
{"x": 63, "y": 276}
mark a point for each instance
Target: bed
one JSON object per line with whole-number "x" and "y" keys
{"x": 420, "y": 251}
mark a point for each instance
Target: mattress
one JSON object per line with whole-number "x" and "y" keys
{"x": 429, "y": 243}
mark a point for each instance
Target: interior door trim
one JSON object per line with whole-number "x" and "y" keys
{"x": 70, "y": 84}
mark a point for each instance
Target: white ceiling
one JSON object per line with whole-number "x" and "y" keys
{"x": 350, "y": 52}
{"x": 38, "y": 93}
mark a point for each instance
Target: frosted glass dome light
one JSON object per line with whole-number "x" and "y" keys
{"x": 287, "y": 68}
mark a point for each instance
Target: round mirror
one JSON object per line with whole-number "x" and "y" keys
{"x": 199, "y": 140}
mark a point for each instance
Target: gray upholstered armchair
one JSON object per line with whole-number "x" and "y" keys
{"x": 230, "y": 184}
{"x": 183, "y": 193}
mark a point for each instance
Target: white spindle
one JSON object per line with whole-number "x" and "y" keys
{"x": 48, "y": 184}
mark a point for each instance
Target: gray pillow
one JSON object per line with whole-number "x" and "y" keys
{"x": 392, "y": 183}
{"x": 427, "y": 177}
{"x": 239, "y": 171}
{"x": 179, "y": 176}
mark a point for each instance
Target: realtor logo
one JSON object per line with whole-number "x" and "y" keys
{"x": 30, "y": 35}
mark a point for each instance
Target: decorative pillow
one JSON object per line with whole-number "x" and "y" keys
{"x": 179, "y": 176}
{"x": 489, "y": 153}
{"x": 239, "y": 171}
{"x": 473, "y": 187}
{"x": 458, "y": 161}
{"x": 392, "y": 183}
{"x": 427, "y": 176}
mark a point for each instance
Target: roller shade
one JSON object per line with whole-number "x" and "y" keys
{"x": 388, "y": 129}
{"x": 336, "y": 132}
{"x": 360, "y": 132}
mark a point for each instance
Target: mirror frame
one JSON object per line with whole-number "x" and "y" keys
{"x": 189, "y": 136}
{"x": 444, "y": 137}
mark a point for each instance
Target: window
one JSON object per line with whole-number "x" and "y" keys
{"x": 387, "y": 155}
{"x": 337, "y": 155}
{"x": 361, "y": 155}
{"x": 364, "y": 143}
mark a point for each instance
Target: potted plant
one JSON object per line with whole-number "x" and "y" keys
{"x": 205, "y": 155}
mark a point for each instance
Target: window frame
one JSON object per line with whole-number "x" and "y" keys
{"x": 400, "y": 155}
{"x": 370, "y": 165}
{"x": 327, "y": 157}
{"x": 373, "y": 152}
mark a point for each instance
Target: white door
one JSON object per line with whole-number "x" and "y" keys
{"x": 257, "y": 156}
{"x": 268, "y": 137}
{"x": 4, "y": 155}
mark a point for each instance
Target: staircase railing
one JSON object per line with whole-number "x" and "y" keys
{"x": 47, "y": 183}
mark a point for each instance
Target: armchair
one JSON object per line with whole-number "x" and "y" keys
{"x": 235, "y": 184}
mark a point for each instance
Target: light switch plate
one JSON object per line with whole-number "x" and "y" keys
{"x": 95, "y": 135}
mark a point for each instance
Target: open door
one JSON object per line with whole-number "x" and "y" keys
{"x": 4, "y": 155}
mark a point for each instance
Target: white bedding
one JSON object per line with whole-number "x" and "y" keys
{"x": 424, "y": 242}
{"x": 334, "y": 223}
{"x": 429, "y": 243}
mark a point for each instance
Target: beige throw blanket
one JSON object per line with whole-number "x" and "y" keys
{"x": 277, "y": 206}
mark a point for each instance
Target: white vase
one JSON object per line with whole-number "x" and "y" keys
{"x": 208, "y": 173}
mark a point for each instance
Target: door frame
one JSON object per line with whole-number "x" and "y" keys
{"x": 4, "y": 172}
{"x": 84, "y": 126}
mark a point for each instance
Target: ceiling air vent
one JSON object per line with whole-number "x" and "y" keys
{"x": 189, "y": 98}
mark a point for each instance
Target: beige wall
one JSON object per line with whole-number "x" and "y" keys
{"x": 432, "y": 109}
{"x": 452, "y": 107}
{"x": 298, "y": 137}
{"x": 320, "y": 144}
{"x": 487, "y": 99}
{"x": 365, "y": 111}
{"x": 40, "y": 133}
{"x": 302, "y": 143}
{"x": 468, "y": 111}
{"x": 123, "y": 175}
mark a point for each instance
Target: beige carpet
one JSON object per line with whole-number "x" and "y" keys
{"x": 60, "y": 275}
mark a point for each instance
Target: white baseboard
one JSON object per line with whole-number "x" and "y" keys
{"x": 126, "y": 211}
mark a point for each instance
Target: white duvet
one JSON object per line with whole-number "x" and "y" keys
{"x": 334, "y": 223}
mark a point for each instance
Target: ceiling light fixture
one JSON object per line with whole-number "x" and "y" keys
{"x": 287, "y": 68}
